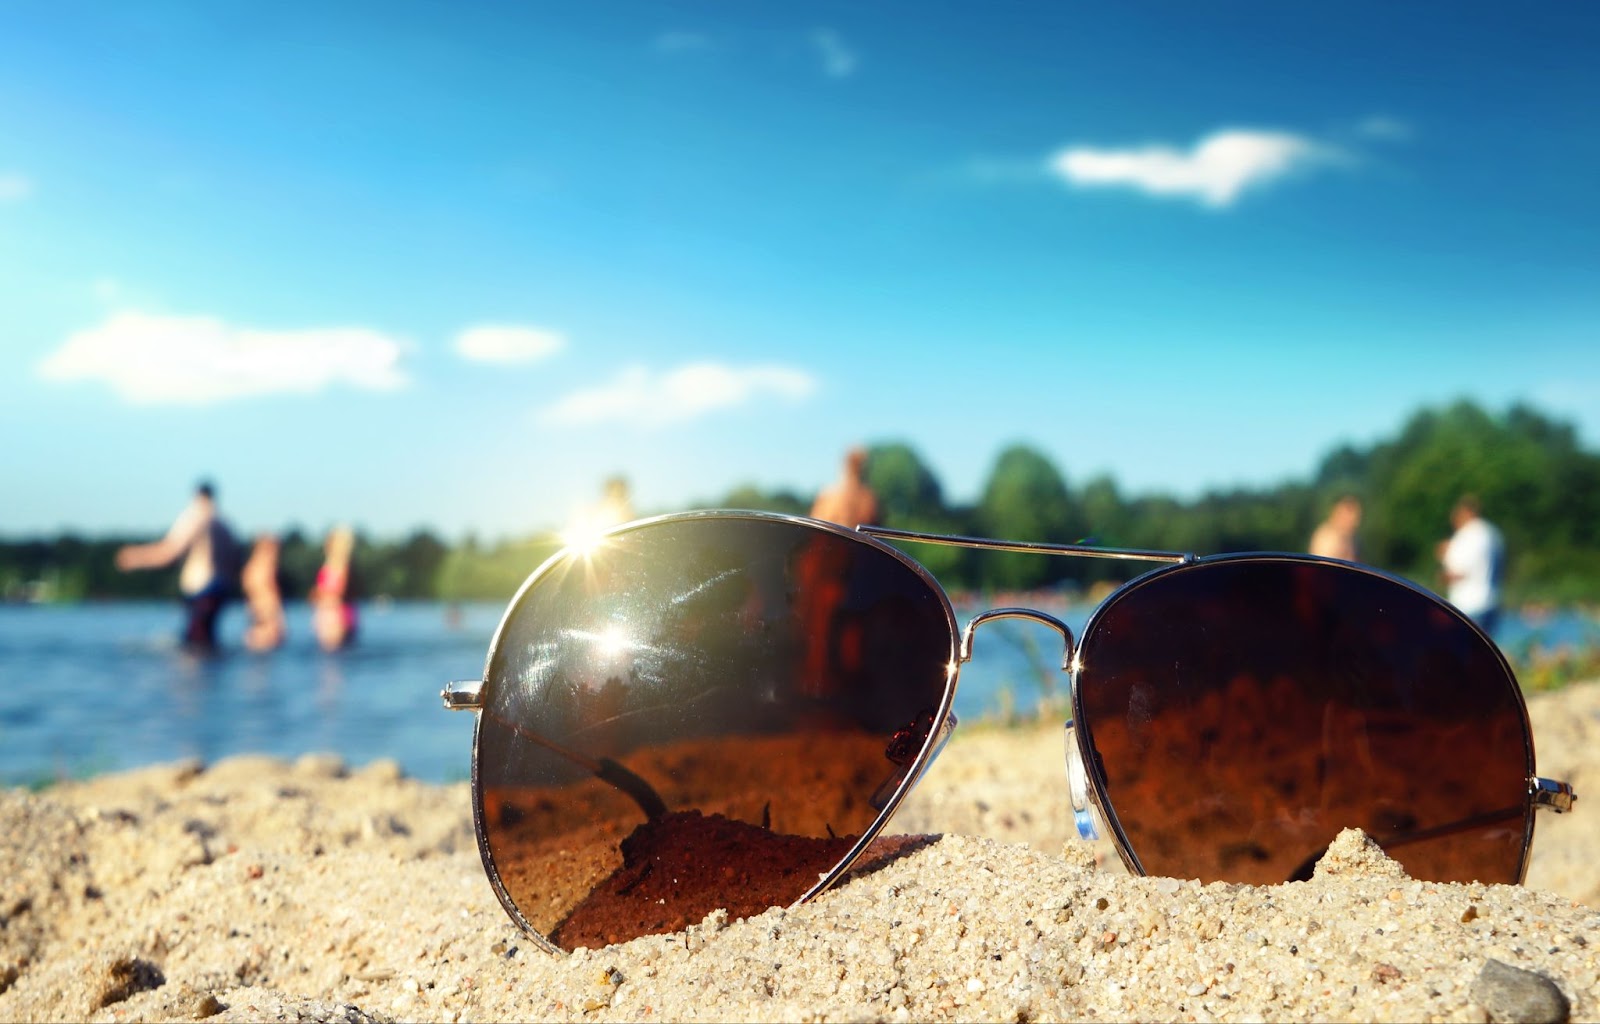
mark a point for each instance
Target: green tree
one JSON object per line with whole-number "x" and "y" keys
{"x": 1026, "y": 499}
{"x": 749, "y": 496}
{"x": 473, "y": 572}
{"x": 911, "y": 498}
{"x": 298, "y": 561}
{"x": 906, "y": 488}
{"x": 1108, "y": 522}
{"x": 1105, "y": 515}
{"x": 1245, "y": 520}
{"x": 1158, "y": 521}
{"x": 414, "y": 566}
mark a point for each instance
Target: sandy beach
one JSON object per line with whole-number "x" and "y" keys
{"x": 263, "y": 890}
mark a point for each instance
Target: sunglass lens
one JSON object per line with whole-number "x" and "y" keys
{"x": 1244, "y": 711}
{"x": 698, "y": 714}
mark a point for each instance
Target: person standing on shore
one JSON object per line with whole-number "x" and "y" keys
{"x": 209, "y": 577}
{"x": 1336, "y": 536}
{"x": 1473, "y": 560}
{"x": 848, "y": 501}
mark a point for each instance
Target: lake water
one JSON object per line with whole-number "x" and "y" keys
{"x": 94, "y": 688}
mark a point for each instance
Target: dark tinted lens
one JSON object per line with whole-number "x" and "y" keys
{"x": 1245, "y": 711}
{"x": 701, "y": 713}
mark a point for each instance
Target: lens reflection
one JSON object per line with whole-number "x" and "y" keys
{"x": 1244, "y": 711}
{"x": 697, "y": 715}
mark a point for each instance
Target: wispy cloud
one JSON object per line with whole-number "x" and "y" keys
{"x": 1388, "y": 129}
{"x": 838, "y": 59}
{"x": 15, "y": 187}
{"x": 679, "y": 42}
{"x": 1215, "y": 171}
{"x": 998, "y": 171}
{"x": 508, "y": 343}
{"x": 114, "y": 293}
{"x": 151, "y": 359}
{"x": 644, "y": 398}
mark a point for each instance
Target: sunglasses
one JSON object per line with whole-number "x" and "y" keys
{"x": 723, "y": 710}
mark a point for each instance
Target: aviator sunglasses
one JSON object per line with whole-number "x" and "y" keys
{"x": 723, "y": 710}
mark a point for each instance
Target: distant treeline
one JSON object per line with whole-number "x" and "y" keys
{"x": 1529, "y": 472}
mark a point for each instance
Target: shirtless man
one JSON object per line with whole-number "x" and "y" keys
{"x": 848, "y": 500}
{"x": 1336, "y": 537}
{"x": 202, "y": 540}
{"x": 833, "y": 647}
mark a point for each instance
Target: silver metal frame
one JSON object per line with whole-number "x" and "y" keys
{"x": 1543, "y": 794}
{"x": 471, "y": 696}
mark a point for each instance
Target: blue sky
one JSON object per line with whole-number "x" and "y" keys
{"x": 454, "y": 264}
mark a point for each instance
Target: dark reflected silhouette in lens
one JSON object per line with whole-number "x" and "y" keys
{"x": 1244, "y": 711}
{"x": 697, "y": 715}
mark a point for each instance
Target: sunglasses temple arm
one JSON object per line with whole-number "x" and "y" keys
{"x": 606, "y": 770}
{"x": 1025, "y": 547}
{"x": 1476, "y": 821}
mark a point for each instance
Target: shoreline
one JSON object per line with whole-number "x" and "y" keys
{"x": 257, "y": 889}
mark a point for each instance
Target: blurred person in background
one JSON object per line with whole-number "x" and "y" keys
{"x": 333, "y": 597}
{"x": 209, "y": 577}
{"x": 848, "y": 501}
{"x": 1336, "y": 536}
{"x": 1473, "y": 561}
{"x": 263, "y": 596}
{"x": 616, "y": 507}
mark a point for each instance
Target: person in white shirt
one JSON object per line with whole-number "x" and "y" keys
{"x": 207, "y": 578}
{"x": 1474, "y": 562}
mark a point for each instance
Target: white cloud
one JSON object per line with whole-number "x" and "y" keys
{"x": 14, "y": 188}
{"x": 152, "y": 359}
{"x": 1215, "y": 172}
{"x": 506, "y": 343}
{"x": 643, "y": 398}
{"x": 838, "y": 60}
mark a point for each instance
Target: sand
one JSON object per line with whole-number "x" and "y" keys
{"x": 262, "y": 890}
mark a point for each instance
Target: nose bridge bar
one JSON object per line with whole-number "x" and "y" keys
{"x": 1069, "y": 642}
{"x": 1027, "y": 547}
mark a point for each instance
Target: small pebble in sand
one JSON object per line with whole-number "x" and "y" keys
{"x": 1513, "y": 994}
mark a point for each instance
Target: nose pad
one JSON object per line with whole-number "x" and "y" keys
{"x": 1084, "y": 813}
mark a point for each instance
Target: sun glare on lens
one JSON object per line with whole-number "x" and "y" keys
{"x": 584, "y": 535}
{"x": 613, "y": 641}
